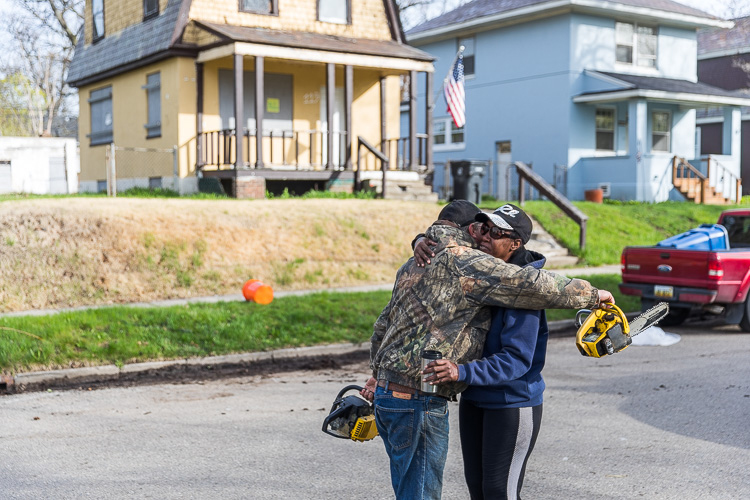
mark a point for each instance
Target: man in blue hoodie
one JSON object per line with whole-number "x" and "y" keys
{"x": 500, "y": 412}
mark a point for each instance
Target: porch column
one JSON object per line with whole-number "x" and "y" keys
{"x": 429, "y": 104}
{"x": 239, "y": 112}
{"x": 260, "y": 99}
{"x": 730, "y": 135}
{"x": 330, "y": 102}
{"x": 348, "y": 96}
{"x": 412, "y": 120}
{"x": 199, "y": 116}
{"x": 383, "y": 138}
{"x": 638, "y": 143}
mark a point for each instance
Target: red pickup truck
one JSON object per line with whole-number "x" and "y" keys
{"x": 710, "y": 282}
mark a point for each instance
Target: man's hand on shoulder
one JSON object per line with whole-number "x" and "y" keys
{"x": 423, "y": 251}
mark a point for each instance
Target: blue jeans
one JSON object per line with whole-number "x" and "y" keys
{"x": 415, "y": 434}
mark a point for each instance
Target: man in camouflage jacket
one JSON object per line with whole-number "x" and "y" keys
{"x": 443, "y": 307}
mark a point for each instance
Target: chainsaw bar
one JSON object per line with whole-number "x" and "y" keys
{"x": 648, "y": 318}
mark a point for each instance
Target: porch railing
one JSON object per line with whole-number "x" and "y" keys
{"x": 302, "y": 150}
{"x": 298, "y": 149}
{"x": 525, "y": 174}
{"x": 400, "y": 148}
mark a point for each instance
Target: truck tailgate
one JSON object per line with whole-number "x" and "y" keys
{"x": 700, "y": 276}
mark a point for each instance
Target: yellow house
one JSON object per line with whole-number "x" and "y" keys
{"x": 243, "y": 94}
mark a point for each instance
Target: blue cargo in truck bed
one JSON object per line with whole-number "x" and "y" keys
{"x": 705, "y": 237}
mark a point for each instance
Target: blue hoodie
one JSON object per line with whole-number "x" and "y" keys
{"x": 509, "y": 375}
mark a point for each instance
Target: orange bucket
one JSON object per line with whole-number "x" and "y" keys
{"x": 258, "y": 292}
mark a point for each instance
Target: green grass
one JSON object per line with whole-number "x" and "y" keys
{"x": 121, "y": 335}
{"x": 613, "y": 225}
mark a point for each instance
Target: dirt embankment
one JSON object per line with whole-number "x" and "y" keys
{"x": 84, "y": 251}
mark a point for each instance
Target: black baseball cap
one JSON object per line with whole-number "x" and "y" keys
{"x": 510, "y": 217}
{"x": 462, "y": 212}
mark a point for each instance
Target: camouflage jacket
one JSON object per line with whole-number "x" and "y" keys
{"x": 443, "y": 306}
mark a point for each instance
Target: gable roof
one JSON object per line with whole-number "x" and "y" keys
{"x": 718, "y": 42}
{"x": 161, "y": 37}
{"x": 139, "y": 44}
{"x": 481, "y": 13}
{"x": 667, "y": 89}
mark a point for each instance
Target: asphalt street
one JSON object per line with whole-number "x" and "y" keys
{"x": 649, "y": 422}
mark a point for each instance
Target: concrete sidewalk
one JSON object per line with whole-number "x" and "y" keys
{"x": 577, "y": 272}
{"x": 102, "y": 374}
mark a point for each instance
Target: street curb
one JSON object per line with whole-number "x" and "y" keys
{"x": 32, "y": 381}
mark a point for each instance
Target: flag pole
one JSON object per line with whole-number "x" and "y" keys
{"x": 445, "y": 80}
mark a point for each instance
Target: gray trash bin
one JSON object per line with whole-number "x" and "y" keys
{"x": 467, "y": 180}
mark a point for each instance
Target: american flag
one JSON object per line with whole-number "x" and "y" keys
{"x": 454, "y": 93}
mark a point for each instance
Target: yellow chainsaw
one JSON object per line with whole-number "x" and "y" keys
{"x": 606, "y": 329}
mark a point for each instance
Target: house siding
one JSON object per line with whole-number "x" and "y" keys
{"x": 129, "y": 115}
{"x": 368, "y": 17}
{"x": 526, "y": 78}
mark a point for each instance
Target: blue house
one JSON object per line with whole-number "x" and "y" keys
{"x": 593, "y": 94}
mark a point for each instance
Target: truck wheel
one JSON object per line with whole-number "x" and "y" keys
{"x": 675, "y": 316}
{"x": 745, "y": 321}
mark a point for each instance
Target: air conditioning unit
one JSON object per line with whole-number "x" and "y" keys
{"x": 606, "y": 188}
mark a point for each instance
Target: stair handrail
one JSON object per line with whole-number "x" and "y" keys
{"x": 724, "y": 171}
{"x": 526, "y": 174}
{"x": 384, "y": 161}
{"x": 681, "y": 165}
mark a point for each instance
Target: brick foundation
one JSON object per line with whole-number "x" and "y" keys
{"x": 250, "y": 187}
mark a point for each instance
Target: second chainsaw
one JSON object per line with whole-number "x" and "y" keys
{"x": 606, "y": 329}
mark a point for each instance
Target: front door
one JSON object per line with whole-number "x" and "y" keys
{"x": 503, "y": 160}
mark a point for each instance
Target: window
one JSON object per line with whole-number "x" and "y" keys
{"x": 635, "y": 44}
{"x": 260, "y": 6}
{"x": 153, "y": 101}
{"x": 468, "y": 44}
{"x": 605, "y": 129}
{"x": 446, "y": 135}
{"x": 150, "y": 9}
{"x": 97, "y": 14}
{"x": 335, "y": 11}
{"x": 101, "y": 116}
{"x": 661, "y": 123}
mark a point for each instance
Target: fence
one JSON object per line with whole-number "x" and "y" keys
{"x": 148, "y": 168}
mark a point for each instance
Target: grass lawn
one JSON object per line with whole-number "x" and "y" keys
{"x": 614, "y": 225}
{"x": 122, "y": 335}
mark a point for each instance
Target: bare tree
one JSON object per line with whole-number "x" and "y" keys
{"x": 415, "y": 12}
{"x": 44, "y": 34}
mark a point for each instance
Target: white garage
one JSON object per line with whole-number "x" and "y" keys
{"x": 39, "y": 165}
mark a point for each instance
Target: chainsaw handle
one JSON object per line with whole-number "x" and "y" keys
{"x": 579, "y": 317}
{"x": 347, "y": 389}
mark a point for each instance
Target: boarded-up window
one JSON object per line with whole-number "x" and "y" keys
{"x": 277, "y": 108}
{"x": 259, "y": 6}
{"x": 101, "y": 116}
{"x": 153, "y": 96}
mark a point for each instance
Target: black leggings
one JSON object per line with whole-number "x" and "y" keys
{"x": 496, "y": 445}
